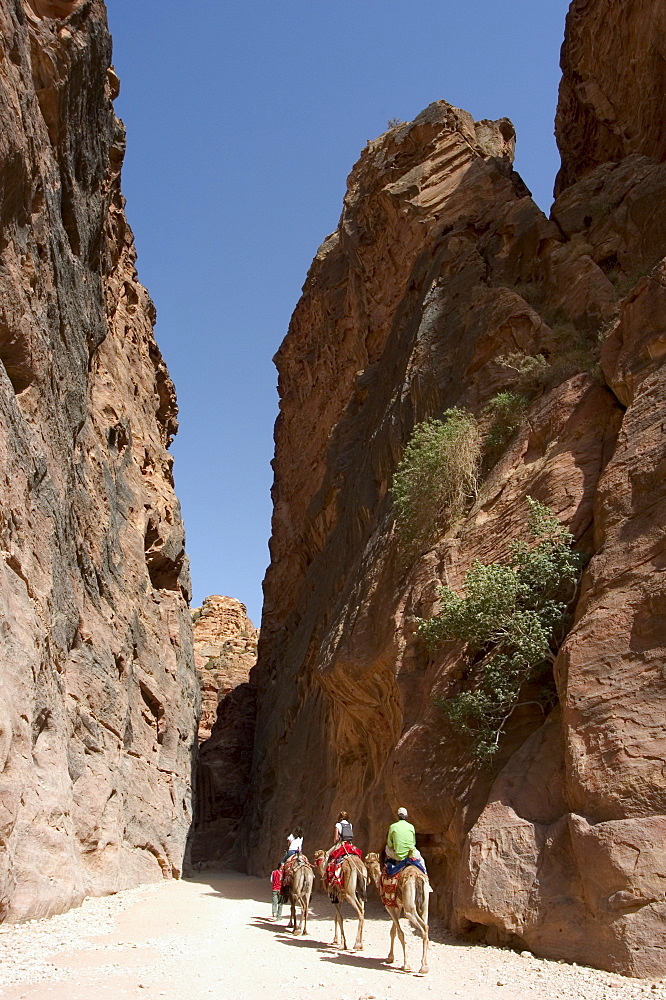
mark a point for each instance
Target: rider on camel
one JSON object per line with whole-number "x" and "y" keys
{"x": 295, "y": 842}
{"x": 343, "y": 834}
{"x": 401, "y": 846}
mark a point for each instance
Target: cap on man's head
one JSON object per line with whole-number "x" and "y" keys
{"x": 402, "y": 812}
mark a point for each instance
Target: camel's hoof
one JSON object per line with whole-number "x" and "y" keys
{"x": 423, "y": 971}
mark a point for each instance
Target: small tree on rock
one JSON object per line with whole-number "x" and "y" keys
{"x": 437, "y": 474}
{"x": 512, "y": 619}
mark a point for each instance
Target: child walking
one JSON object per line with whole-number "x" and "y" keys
{"x": 276, "y": 886}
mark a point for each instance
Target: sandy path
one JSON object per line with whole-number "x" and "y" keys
{"x": 211, "y": 938}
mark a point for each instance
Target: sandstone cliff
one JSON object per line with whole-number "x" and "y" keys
{"x": 225, "y": 642}
{"x": 99, "y": 696}
{"x": 225, "y": 649}
{"x": 440, "y": 265}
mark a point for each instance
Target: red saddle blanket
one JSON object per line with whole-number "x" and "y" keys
{"x": 290, "y": 866}
{"x": 388, "y": 884}
{"x": 333, "y": 877}
{"x": 388, "y": 889}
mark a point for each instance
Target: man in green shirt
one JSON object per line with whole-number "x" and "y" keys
{"x": 401, "y": 842}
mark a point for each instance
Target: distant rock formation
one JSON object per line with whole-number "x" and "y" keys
{"x": 225, "y": 643}
{"x": 441, "y": 265}
{"x": 99, "y": 694}
{"x": 225, "y": 649}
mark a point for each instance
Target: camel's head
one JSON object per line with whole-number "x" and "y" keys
{"x": 318, "y": 862}
{"x": 372, "y": 864}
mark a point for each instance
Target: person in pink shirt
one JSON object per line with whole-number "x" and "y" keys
{"x": 276, "y": 886}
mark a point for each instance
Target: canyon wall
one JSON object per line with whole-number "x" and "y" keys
{"x": 441, "y": 265}
{"x": 99, "y": 699}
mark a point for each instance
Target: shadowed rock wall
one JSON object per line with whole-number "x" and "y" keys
{"x": 99, "y": 696}
{"x": 441, "y": 264}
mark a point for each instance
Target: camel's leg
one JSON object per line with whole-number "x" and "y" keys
{"x": 424, "y": 956}
{"x": 296, "y": 921}
{"x": 361, "y": 921}
{"x": 391, "y": 954}
{"x": 338, "y": 920}
{"x": 292, "y": 919}
{"x": 360, "y": 913}
{"x": 308, "y": 896}
{"x": 342, "y": 931}
{"x": 424, "y": 918}
{"x": 304, "y": 914}
{"x": 343, "y": 944}
{"x": 395, "y": 914}
{"x": 420, "y": 922}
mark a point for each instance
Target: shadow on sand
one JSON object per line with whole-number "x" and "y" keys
{"x": 232, "y": 885}
{"x": 334, "y": 955}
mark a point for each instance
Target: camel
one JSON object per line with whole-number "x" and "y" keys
{"x": 352, "y": 891}
{"x": 412, "y": 901}
{"x": 300, "y": 890}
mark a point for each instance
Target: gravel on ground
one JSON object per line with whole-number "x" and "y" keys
{"x": 211, "y": 937}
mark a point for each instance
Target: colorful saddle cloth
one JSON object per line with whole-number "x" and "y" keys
{"x": 388, "y": 889}
{"x": 290, "y": 866}
{"x": 333, "y": 876}
{"x": 392, "y": 874}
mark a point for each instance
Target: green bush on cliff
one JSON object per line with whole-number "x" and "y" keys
{"x": 505, "y": 412}
{"x": 512, "y": 620}
{"x": 531, "y": 372}
{"x": 437, "y": 474}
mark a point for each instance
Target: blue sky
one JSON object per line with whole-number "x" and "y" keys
{"x": 243, "y": 122}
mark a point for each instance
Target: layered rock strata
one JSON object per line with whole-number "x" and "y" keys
{"x": 441, "y": 265}
{"x": 99, "y": 694}
{"x": 225, "y": 650}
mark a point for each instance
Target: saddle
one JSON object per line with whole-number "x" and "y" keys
{"x": 291, "y": 865}
{"x": 333, "y": 873}
{"x": 389, "y": 884}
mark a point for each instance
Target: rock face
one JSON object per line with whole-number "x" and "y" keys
{"x": 613, "y": 92}
{"x": 225, "y": 649}
{"x": 225, "y": 644}
{"x": 441, "y": 265}
{"x": 99, "y": 695}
